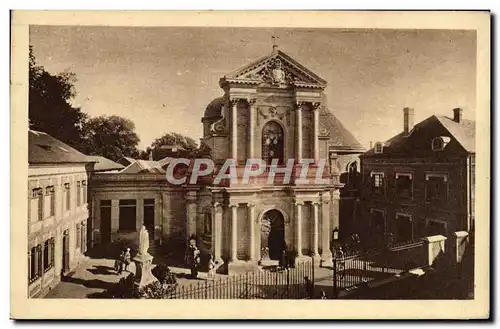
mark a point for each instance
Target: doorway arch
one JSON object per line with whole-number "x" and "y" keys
{"x": 272, "y": 234}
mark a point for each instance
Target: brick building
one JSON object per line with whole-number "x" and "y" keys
{"x": 421, "y": 181}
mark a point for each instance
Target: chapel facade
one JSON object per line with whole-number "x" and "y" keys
{"x": 272, "y": 109}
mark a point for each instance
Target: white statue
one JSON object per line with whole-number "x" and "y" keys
{"x": 143, "y": 241}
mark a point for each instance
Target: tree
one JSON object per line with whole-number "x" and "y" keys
{"x": 49, "y": 104}
{"x": 173, "y": 139}
{"x": 112, "y": 137}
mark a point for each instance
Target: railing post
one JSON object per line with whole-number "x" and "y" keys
{"x": 313, "y": 283}
{"x": 287, "y": 283}
{"x": 276, "y": 284}
{"x": 334, "y": 277}
{"x": 246, "y": 285}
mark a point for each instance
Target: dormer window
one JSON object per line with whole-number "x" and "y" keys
{"x": 379, "y": 147}
{"x": 439, "y": 143}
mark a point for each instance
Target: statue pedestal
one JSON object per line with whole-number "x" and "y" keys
{"x": 143, "y": 275}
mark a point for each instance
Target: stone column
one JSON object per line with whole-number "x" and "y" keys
{"x": 251, "y": 218}
{"x": 234, "y": 232}
{"x": 298, "y": 223}
{"x": 316, "y": 229}
{"x": 326, "y": 253}
{"x": 234, "y": 130}
{"x": 166, "y": 217}
{"x": 334, "y": 208}
{"x": 217, "y": 232}
{"x": 251, "y": 128}
{"x": 115, "y": 215}
{"x": 299, "y": 131}
{"x": 139, "y": 214}
{"x": 315, "y": 108}
{"x": 191, "y": 213}
{"x": 157, "y": 220}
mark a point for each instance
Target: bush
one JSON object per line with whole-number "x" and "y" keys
{"x": 163, "y": 274}
{"x": 155, "y": 290}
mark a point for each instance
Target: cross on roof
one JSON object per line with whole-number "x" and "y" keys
{"x": 274, "y": 42}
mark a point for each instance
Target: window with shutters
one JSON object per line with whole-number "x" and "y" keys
{"x": 404, "y": 185}
{"x": 48, "y": 254}
{"x": 404, "y": 227}
{"x": 78, "y": 193}
{"x": 67, "y": 196}
{"x": 50, "y": 201}
{"x": 35, "y": 263}
{"x": 36, "y": 205}
{"x": 378, "y": 183}
{"x": 436, "y": 188}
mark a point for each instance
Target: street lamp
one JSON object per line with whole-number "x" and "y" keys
{"x": 335, "y": 234}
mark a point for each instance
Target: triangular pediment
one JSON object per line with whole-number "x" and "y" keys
{"x": 278, "y": 69}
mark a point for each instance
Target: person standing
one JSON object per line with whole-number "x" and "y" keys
{"x": 309, "y": 287}
{"x": 126, "y": 259}
{"x": 119, "y": 262}
{"x": 211, "y": 268}
{"x": 192, "y": 257}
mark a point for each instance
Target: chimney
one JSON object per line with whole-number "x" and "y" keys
{"x": 457, "y": 115}
{"x": 371, "y": 144}
{"x": 407, "y": 120}
{"x": 151, "y": 156}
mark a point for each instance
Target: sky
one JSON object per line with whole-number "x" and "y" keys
{"x": 162, "y": 78}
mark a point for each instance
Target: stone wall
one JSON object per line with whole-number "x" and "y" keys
{"x": 55, "y": 226}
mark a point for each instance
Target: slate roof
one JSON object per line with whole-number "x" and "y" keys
{"x": 341, "y": 139}
{"x": 464, "y": 133}
{"x": 144, "y": 166}
{"x": 105, "y": 164}
{"x": 43, "y": 148}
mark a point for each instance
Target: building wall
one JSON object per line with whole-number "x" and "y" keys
{"x": 169, "y": 206}
{"x": 453, "y": 212}
{"x": 54, "y": 226}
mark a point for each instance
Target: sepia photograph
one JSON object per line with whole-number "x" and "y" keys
{"x": 206, "y": 160}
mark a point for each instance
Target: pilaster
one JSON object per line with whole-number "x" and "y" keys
{"x": 234, "y": 232}
{"x": 115, "y": 215}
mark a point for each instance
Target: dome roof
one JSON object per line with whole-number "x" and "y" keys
{"x": 214, "y": 108}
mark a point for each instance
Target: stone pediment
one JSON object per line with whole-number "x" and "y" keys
{"x": 276, "y": 69}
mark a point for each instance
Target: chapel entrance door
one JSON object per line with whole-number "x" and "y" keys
{"x": 272, "y": 235}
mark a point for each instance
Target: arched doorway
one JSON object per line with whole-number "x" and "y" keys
{"x": 272, "y": 142}
{"x": 272, "y": 235}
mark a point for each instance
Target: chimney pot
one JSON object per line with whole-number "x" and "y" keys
{"x": 457, "y": 115}
{"x": 408, "y": 120}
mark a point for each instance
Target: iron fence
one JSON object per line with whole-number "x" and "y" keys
{"x": 353, "y": 269}
{"x": 273, "y": 283}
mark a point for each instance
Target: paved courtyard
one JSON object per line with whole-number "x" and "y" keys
{"x": 96, "y": 275}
